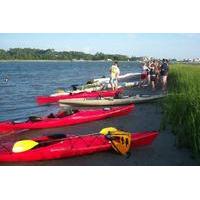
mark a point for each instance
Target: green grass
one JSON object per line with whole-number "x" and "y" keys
{"x": 182, "y": 106}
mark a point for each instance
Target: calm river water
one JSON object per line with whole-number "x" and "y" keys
{"x": 26, "y": 80}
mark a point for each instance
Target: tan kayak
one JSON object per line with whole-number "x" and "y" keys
{"x": 110, "y": 101}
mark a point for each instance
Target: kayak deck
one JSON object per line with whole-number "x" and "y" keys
{"x": 110, "y": 101}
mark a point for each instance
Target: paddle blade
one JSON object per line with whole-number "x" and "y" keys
{"x": 121, "y": 141}
{"x": 107, "y": 130}
{"x": 23, "y": 145}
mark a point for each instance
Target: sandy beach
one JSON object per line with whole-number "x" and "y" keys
{"x": 145, "y": 117}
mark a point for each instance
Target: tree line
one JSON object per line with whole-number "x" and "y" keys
{"x": 51, "y": 54}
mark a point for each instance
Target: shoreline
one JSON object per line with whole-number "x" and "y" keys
{"x": 145, "y": 117}
{"x": 106, "y": 61}
{"x": 65, "y": 61}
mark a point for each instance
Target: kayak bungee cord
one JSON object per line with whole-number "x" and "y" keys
{"x": 4, "y": 148}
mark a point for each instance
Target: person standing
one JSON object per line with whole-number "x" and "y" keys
{"x": 164, "y": 69}
{"x": 148, "y": 72}
{"x": 144, "y": 75}
{"x": 153, "y": 74}
{"x": 114, "y": 75}
{"x": 157, "y": 70}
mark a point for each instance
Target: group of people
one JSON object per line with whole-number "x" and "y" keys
{"x": 152, "y": 73}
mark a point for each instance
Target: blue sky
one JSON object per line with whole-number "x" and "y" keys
{"x": 173, "y": 45}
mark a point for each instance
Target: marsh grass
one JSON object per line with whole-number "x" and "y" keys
{"x": 182, "y": 105}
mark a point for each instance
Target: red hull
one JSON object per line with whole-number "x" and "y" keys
{"x": 82, "y": 116}
{"x": 53, "y": 99}
{"x": 75, "y": 146}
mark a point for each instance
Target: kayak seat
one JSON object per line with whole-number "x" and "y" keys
{"x": 66, "y": 113}
{"x": 51, "y": 115}
{"x": 19, "y": 121}
{"x": 34, "y": 119}
{"x": 75, "y": 87}
{"x": 57, "y": 136}
{"x": 90, "y": 82}
{"x": 107, "y": 108}
{"x": 75, "y": 111}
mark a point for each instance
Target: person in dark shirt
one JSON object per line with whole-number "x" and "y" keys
{"x": 164, "y": 69}
{"x": 153, "y": 74}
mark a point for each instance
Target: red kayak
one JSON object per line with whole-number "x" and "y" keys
{"x": 71, "y": 146}
{"x": 93, "y": 94}
{"x": 65, "y": 119}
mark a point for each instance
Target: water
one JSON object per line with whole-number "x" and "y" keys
{"x": 26, "y": 80}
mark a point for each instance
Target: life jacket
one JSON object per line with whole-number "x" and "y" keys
{"x": 114, "y": 71}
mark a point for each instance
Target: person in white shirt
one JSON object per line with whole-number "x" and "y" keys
{"x": 144, "y": 75}
{"x": 114, "y": 75}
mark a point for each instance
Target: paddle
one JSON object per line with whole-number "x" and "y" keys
{"x": 120, "y": 141}
{"x": 25, "y": 145}
{"x": 105, "y": 131}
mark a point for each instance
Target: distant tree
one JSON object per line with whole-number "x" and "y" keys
{"x": 51, "y": 54}
{"x": 3, "y": 54}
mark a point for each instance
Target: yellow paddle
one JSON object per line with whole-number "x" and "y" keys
{"x": 105, "y": 131}
{"x": 24, "y": 145}
{"x": 120, "y": 141}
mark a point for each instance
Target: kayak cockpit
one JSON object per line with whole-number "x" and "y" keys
{"x": 66, "y": 111}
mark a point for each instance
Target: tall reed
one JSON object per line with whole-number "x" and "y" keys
{"x": 182, "y": 105}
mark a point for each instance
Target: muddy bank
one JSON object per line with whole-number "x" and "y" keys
{"x": 143, "y": 118}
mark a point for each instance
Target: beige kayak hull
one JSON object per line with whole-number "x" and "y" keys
{"x": 110, "y": 101}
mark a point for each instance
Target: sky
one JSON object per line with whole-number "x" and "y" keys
{"x": 158, "y": 45}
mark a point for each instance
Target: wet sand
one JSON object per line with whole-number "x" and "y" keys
{"x": 145, "y": 117}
